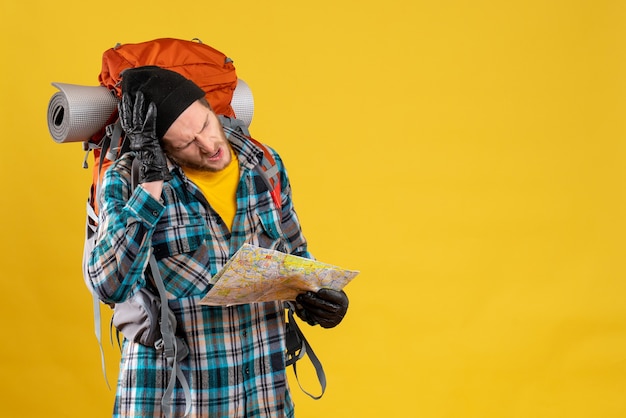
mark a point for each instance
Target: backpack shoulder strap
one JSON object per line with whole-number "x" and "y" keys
{"x": 268, "y": 169}
{"x": 172, "y": 346}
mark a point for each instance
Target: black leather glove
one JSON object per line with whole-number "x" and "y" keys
{"x": 327, "y": 307}
{"x": 139, "y": 123}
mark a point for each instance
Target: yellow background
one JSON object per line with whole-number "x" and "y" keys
{"x": 466, "y": 156}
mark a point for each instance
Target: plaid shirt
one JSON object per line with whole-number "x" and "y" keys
{"x": 236, "y": 365}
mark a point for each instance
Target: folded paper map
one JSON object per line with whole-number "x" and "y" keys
{"x": 256, "y": 274}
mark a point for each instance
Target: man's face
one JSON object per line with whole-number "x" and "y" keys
{"x": 196, "y": 140}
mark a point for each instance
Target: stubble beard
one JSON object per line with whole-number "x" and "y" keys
{"x": 184, "y": 163}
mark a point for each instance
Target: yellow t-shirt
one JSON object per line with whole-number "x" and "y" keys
{"x": 219, "y": 188}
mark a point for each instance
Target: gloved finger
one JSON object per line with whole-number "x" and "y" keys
{"x": 126, "y": 112}
{"x": 335, "y": 296}
{"x": 313, "y": 303}
{"x": 320, "y": 310}
{"x": 331, "y": 322}
{"x": 302, "y": 314}
{"x": 139, "y": 110}
{"x": 328, "y": 299}
{"x": 316, "y": 314}
{"x": 149, "y": 124}
{"x": 325, "y": 318}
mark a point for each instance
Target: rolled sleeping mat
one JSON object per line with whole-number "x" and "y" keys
{"x": 243, "y": 102}
{"x": 76, "y": 113}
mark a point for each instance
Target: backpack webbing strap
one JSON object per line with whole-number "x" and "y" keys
{"x": 91, "y": 226}
{"x": 109, "y": 149}
{"x": 170, "y": 343}
{"x": 170, "y": 346}
{"x": 97, "y": 328}
{"x": 114, "y": 131}
{"x": 88, "y": 147}
{"x": 109, "y": 142}
{"x": 296, "y": 353}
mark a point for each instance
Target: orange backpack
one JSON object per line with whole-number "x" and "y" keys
{"x": 212, "y": 71}
{"x": 215, "y": 73}
{"x": 209, "y": 68}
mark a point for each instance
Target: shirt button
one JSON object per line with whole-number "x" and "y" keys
{"x": 247, "y": 371}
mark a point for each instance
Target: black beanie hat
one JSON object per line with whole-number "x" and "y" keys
{"x": 171, "y": 92}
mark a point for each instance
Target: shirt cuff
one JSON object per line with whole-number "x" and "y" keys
{"x": 145, "y": 207}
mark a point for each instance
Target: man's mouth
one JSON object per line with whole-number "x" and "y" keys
{"x": 217, "y": 155}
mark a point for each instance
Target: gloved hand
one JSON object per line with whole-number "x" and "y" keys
{"x": 139, "y": 124}
{"x": 327, "y": 307}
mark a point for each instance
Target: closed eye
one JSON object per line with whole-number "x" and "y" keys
{"x": 205, "y": 125}
{"x": 185, "y": 146}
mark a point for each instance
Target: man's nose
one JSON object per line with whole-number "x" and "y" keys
{"x": 204, "y": 144}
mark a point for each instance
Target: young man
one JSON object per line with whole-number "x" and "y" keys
{"x": 199, "y": 199}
